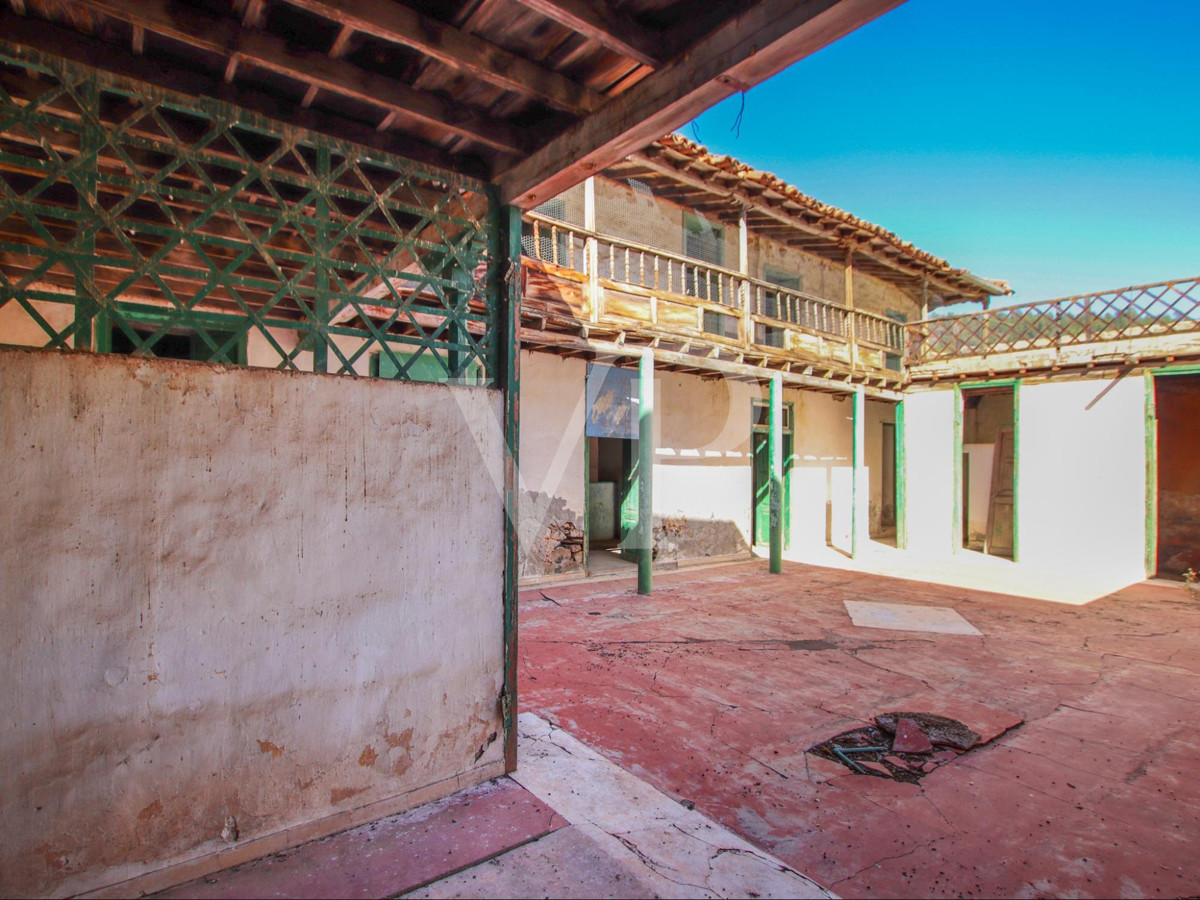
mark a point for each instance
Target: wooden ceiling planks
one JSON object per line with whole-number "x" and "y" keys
{"x": 531, "y": 94}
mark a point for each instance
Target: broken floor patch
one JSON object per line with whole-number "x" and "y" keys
{"x": 903, "y": 746}
{"x": 906, "y": 617}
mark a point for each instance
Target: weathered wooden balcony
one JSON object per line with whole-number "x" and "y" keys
{"x": 580, "y": 282}
{"x": 1128, "y": 325}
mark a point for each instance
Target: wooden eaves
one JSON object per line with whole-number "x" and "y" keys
{"x": 531, "y": 94}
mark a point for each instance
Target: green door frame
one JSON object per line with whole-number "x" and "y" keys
{"x": 1015, "y": 384}
{"x": 1151, "y": 407}
{"x": 789, "y": 454}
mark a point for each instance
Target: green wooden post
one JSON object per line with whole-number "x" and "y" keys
{"x": 775, "y": 452}
{"x": 901, "y": 480}
{"x": 1151, "y": 476}
{"x": 956, "y": 467}
{"x": 504, "y": 248}
{"x": 1016, "y": 510}
{"x": 92, "y": 329}
{"x": 645, "y": 523}
{"x": 858, "y": 468}
{"x": 320, "y": 309}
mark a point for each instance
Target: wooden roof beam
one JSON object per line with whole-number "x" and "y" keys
{"x": 457, "y": 49}
{"x": 796, "y": 220}
{"x": 604, "y": 26}
{"x": 226, "y": 37}
{"x": 745, "y": 50}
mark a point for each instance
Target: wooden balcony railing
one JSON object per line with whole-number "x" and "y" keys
{"x": 668, "y": 292}
{"x": 1143, "y": 311}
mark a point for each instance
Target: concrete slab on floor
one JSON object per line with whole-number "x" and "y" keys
{"x": 908, "y": 617}
{"x": 713, "y": 688}
{"x": 626, "y": 839}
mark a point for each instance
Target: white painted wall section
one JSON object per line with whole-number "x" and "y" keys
{"x": 1082, "y": 491}
{"x": 929, "y": 461}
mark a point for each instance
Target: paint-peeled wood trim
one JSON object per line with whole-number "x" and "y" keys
{"x": 645, "y": 526}
{"x": 901, "y": 479}
{"x": 857, "y": 468}
{"x": 775, "y": 484}
{"x": 1151, "y": 436}
{"x": 1016, "y": 501}
{"x": 956, "y": 467}
{"x": 506, "y": 287}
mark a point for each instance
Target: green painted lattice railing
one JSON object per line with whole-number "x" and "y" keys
{"x": 137, "y": 220}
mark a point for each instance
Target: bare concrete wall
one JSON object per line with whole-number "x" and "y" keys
{"x": 1082, "y": 479}
{"x": 232, "y": 592}
{"x": 553, "y": 479}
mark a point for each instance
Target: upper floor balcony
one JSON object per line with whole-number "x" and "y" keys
{"x": 583, "y": 287}
{"x": 1127, "y": 326}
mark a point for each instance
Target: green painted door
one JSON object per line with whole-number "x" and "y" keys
{"x": 762, "y": 487}
{"x": 628, "y": 489}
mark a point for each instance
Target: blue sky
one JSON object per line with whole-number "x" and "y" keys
{"x": 1055, "y": 144}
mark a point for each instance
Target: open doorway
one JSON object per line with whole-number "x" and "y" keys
{"x": 1177, "y": 405}
{"x": 989, "y": 470}
{"x": 612, "y": 467}
{"x": 612, "y": 501}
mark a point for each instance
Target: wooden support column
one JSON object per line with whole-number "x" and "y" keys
{"x": 1151, "y": 409}
{"x": 775, "y": 451}
{"x": 858, "y": 475}
{"x": 851, "y": 330}
{"x": 505, "y": 287}
{"x": 92, "y": 329}
{"x": 320, "y": 310}
{"x": 590, "y": 249}
{"x": 744, "y": 285}
{"x": 645, "y": 521}
{"x": 901, "y": 456}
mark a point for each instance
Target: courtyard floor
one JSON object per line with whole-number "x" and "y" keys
{"x": 713, "y": 688}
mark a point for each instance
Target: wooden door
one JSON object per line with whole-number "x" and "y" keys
{"x": 1000, "y": 505}
{"x": 762, "y": 488}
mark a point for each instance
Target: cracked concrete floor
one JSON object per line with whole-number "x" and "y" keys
{"x": 713, "y": 688}
{"x": 623, "y": 838}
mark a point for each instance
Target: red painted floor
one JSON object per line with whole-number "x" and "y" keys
{"x": 698, "y": 690}
{"x": 393, "y": 855}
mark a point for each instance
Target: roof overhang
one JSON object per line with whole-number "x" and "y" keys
{"x": 534, "y": 95}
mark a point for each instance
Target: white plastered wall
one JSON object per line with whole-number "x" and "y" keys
{"x": 822, "y": 484}
{"x": 703, "y": 468}
{"x": 1081, "y": 501}
{"x": 929, "y": 470}
{"x": 233, "y": 592}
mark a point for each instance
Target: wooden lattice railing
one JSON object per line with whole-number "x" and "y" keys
{"x": 746, "y": 310}
{"x": 1142, "y": 311}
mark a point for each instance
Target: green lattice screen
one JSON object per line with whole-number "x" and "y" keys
{"x": 140, "y": 215}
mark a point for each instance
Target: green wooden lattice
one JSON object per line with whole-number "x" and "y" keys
{"x": 127, "y": 209}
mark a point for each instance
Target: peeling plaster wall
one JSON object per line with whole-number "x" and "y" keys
{"x": 703, "y": 469}
{"x": 929, "y": 461}
{"x": 1081, "y": 497}
{"x": 232, "y": 592}
{"x": 822, "y": 487}
{"x": 553, "y": 479}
